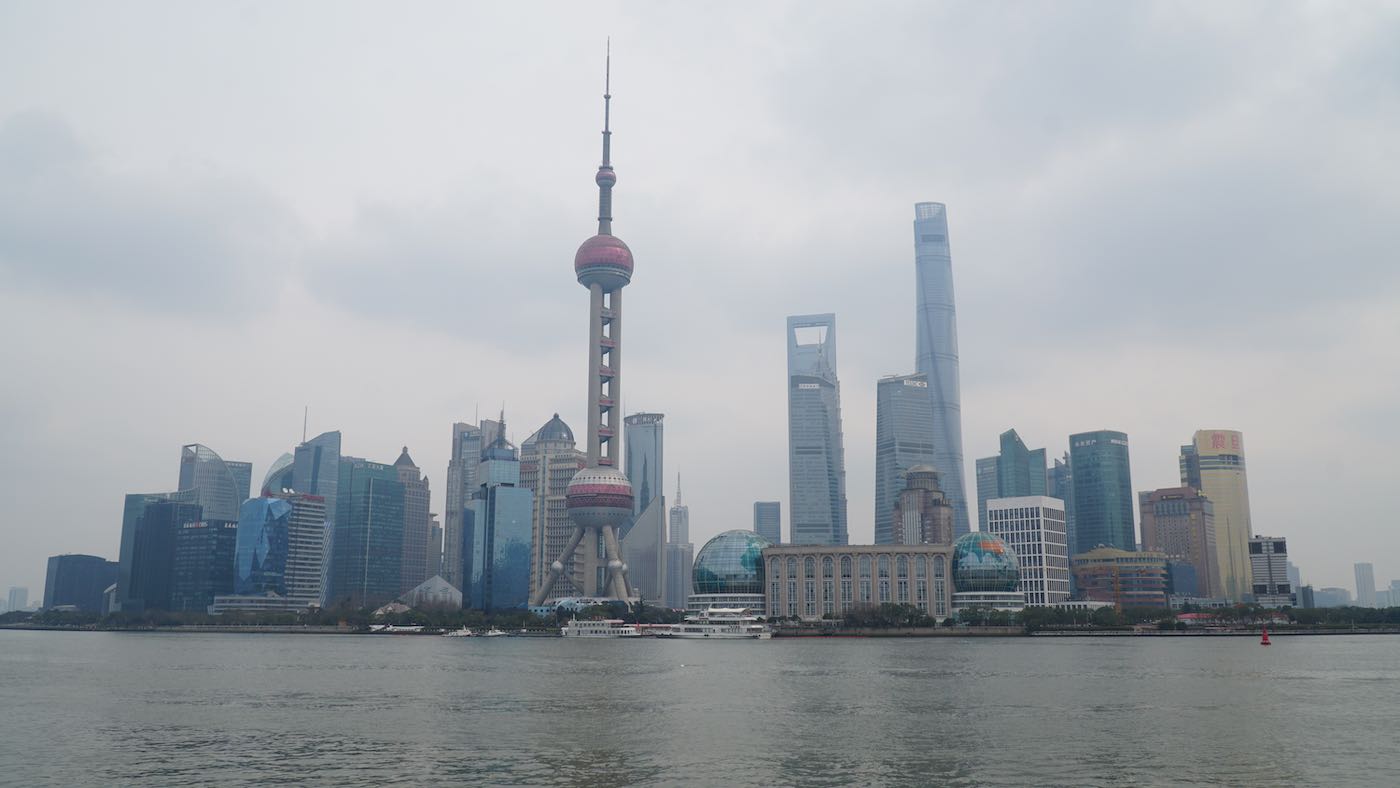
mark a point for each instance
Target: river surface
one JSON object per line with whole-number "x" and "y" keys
{"x": 94, "y": 708}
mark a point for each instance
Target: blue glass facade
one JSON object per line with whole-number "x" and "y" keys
{"x": 221, "y": 486}
{"x": 497, "y": 531}
{"x": 78, "y": 580}
{"x": 149, "y": 522}
{"x": 203, "y": 565}
{"x": 1103, "y": 491}
{"x": 816, "y": 450}
{"x": 731, "y": 563}
{"x": 937, "y": 350}
{"x": 903, "y": 439}
{"x": 260, "y": 558}
{"x": 368, "y": 536}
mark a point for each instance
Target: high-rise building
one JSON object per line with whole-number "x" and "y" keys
{"x": 1214, "y": 464}
{"x": 1122, "y": 577}
{"x": 221, "y": 486}
{"x": 1103, "y": 491}
{"x": 922, "y": 513}
{"x": 768, "y": 520}
{"x": 600, "y": 497}
{"x": 367, "y": 541}
{"x": 680, "y": 554}
{"x": 1268, "y": 566}
{"x": 1059, "y": 483}
{"x": 149, "y": 522}
{"x": 903, "y": 439}
{"x": 281, "y": 475}
{"x": 1015, "y": 472}
{"x": 78, "y": 581}
{"x": 496, "y": 532}
{"x": 316, "y": 470}
{"x": 461, "y": 483}
{"x": 1365, "y": 585}
{"x": 549, "y": 460}
{"x": 435, "y": 546}
{"x": 1033, "y": 527}
{"x": 416, "y": 524}
{"x": 644, "y": 535}
{"x": 17, "y": 599}
{"x": 937, "y": 350}
{"x": 1331, "y": 597}
{"x": 204, "y": 564}
{"x": 1180, "y": 522}
{"x": 816, "y": 454}
{"x": 281, "y": 554}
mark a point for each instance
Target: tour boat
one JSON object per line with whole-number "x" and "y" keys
{"x": 493, "y": 633}
{"x": 720, "y": 623}
{"x": 601, "y": 628}
{"x": 459, "y": 633}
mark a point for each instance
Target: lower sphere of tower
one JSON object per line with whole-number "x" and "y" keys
{"x": 603, "y": 260}
{"x": 599, "y": 497}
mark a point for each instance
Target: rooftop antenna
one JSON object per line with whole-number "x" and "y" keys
{"x": 305, "y": 414}
{"x": 606, "y": 177}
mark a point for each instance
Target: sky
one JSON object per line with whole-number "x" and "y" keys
{"x": 1163, "y": 217}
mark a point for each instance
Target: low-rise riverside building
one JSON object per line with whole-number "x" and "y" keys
{"x": 815, "y": 581}
{"x": 1122, "y": 577}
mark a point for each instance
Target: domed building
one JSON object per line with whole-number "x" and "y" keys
{"x": 986, "y": 573}
{"x": 729, "y": 572}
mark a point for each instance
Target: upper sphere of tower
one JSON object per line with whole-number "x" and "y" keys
{"x": 604, "y": 260}
{"x": 606, "y": 177}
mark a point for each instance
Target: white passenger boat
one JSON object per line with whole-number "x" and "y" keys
{"x": 720, "y": 623}
{"x": 459, "y": 633}
{"x": 601, "y": 628}
{"x": 493, "y": 633}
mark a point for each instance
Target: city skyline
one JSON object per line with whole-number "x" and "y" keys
{"x": 347, "y": 213}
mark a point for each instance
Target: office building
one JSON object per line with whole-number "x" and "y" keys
{"x": 316, "y": 470}
{"x": 1331, "y": 597}
{"x": 937, "y": 349}
{"x": 496, "y": 532}
{"x": 367, "y": 540}
{"x": 416, "y": 525}
{"x": 149, "y": 523}
{"x": 1059, "y": 483}
{"x": 17, "y": 599}
{"x": 549, "y": 460}
{"x": 221, "y": 486}
{"x": 768, "y": 520}
{"x": 644, "y": 535}
{"x": 1014, "y": 472}
{"x": 1268, "y": 566}
{"x": 903, "y": 439}
{"x": 1180, "y": 522}
{"x": 281, "y": 475}
{"x": 435, "y": 545}
{"x": 461, "y": 483}
{"x": 203, "y": 565}
{"x": 1034, "y": 528}
{"x": 680, "y": 554}
{"x": 816, "y": 581}
{"x": 77, "y": 581}
{"x": 1365, "y": 585}
{"x": 678, "y": 530}
{"x": 1214, "y": 464}
{"x": 922, "y": 513}
{"x": 1103, "y": 491}
{"x": 816, "y": 453}
{"x": 281, "y": 556}
{"x": 1121, "y": 577}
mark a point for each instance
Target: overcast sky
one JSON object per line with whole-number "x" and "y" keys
{"x": 1163, "y": 217}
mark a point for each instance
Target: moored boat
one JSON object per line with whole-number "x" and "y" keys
{"x": 720, "y": 623}
{"x": 600, "y": 628}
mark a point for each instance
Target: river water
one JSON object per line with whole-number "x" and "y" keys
{"x": 91, "y": 708}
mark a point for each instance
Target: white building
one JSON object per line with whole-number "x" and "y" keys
{"x": 1365, "y": 585}
{"x": 1033, "y": 526}
{"x": 1268, "y": 563}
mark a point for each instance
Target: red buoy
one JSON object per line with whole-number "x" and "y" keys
{"x": 1264, "y": 638}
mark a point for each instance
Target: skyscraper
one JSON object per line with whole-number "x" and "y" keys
{"x": 1034, "y": 527}
{"x": 1103, "y": 491}
{"x": 221, "y": 486}
{"x": 903, "y": 439}
{"x": 1180, "y": 522}
{"x": 147, "y": 557}
{"x": 367, "y": 541}
{"x": 416, "y": 526}
{"x": 680, "y": 554}
{"x": 768, "y": 520}
{"x": 1015, "y": 472}
{"x": 1268, "y": 567}
{"x": 1059, "y": 483}
{"x": 281, "y": 554}
{"x": 644, "y": 535}
{"x": 549, "y": 460}
{"x": 316, "y": 470}
{"x": 937, "y": 349}
{"x": 1365, "y": 584}
{"x": 600, "y": 496}
{"x": 78, "y": 580}
{"x": 816, "y": 454}
{"x": 1214, "y": 464}
{"x": 496, "y": 532}
{"x": 461, "y": 483}
{"x": 203, "y": 566}
{"x": 679, "y": 530}
{"x": 921, "y": 514}
{"x": 17, "y": 598}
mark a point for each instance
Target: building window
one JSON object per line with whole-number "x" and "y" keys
{"x": 865, "y": 590}
{"x": 901, "y": 566}
{"x": 828, "y": 597}
{"x": 809, "y": 568}
{"x": 828, "y": 567}
{"x": 845, "y": 594}
{"x": 845, "y": 566}
{"x": 902, "y": 588}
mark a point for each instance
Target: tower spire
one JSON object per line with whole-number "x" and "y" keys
{"x": 678, "y": 488}
{"x": 606, "y": 177}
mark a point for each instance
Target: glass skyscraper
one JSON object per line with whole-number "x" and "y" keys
{"x": 222, "y": 486}
{"x": 816, "y": 454}
{"x": 367, "y": 545}
{"x": 147, "y": 556}
{"x": 937, "y": 350}
{"x": 643, "y": 434}
{"x": 204, "y": 563}
{"x": 316, "y": 469}
{"x": 903, "y": 439}
{"x": 1103, "y": 491}
{"x": 496, "y": 533}
{"x": 260, "y": 557}
{"x": 768, "y": 520}
{"x": 78, "y": 580}
{"x": 1016, "y": 472}
{"x": 644, "y": 537}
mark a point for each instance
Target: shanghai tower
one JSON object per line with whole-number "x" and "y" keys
{"x": 937, "y": 350}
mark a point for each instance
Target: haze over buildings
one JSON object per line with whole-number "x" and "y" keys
{"x": 360, "y": 229}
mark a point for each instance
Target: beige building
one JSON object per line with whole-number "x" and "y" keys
{"x": 813, "y": 581}
{"x": 1180, "y": 521}
{"x": 922, "y": 514}
{"x": 548, "y": 462}
{"x": 1214, "y": 464}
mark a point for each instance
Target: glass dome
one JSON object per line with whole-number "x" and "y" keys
{"x": 731, "y": 563}
{"x": 983, "y": 563}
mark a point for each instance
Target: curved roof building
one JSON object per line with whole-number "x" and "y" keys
{"x": 731, "y": 563}
{"x": 986, "y": 573}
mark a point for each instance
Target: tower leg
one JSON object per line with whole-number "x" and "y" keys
{"x": 617, "y": 579}
{"x": 547, "y": 584}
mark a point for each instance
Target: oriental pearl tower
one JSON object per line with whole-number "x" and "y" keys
{"x": 599, "y": 498}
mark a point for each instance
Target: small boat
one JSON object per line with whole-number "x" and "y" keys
{"x": 493, "y": 633}
{"x": 604, "y": 628}
{"x": 1264, "y": 638}
{"x": 459, "y": 633}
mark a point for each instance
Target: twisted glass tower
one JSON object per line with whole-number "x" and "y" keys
{"x": 937, "y": 350}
